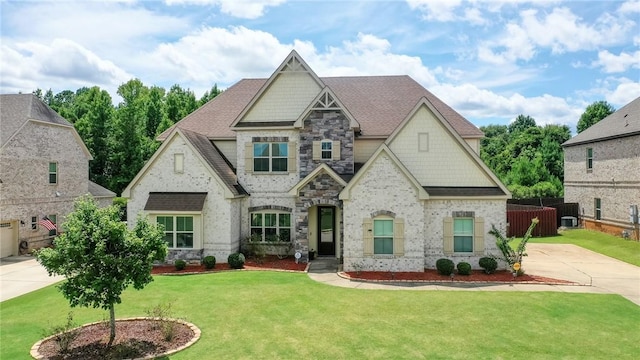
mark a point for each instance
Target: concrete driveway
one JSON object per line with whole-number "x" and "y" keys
{"x": 22, "y": 274}
{"x": 570, "y": 262}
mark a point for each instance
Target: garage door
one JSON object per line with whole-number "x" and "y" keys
{"x": 8, "y": 238}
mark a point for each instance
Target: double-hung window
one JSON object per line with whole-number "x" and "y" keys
{"x": 271, "y": 226}
{"x": 53, "y": 173}
{"x": 270, "y": 157}
{"x": 326, "y": 150}
{"x": 383, "y": 236}
{"x": 178, "y": 231}
{"x": 54, "y": 220}
{"x": 589, "y": 159}
{"x": 598, "y": 208}
{"x": 462, "y": 235}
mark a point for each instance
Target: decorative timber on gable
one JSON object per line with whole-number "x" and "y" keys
{"x": 283, "y": 97}
{"x": 325, "y": 102}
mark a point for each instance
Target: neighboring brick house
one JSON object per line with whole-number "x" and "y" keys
{"x": 373, "y": 170}
{"x": 602, "y": 171}
{"x": 44, "y": 167}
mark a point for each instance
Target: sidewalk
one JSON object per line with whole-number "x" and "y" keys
{"x": 22, "y": 274}
{"x": 594, "y": 273}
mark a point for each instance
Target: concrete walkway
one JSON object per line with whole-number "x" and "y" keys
{"x": 593, "y": 272}
{"x": 22, "y": 274}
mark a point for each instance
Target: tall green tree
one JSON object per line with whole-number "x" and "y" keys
{"x": 94, "y": 125}
{"x": 594, "y": 113}
{"x": 180, "y": 103}
{"x": 210, "y": 94}
{"x": 127, "y": 139}
{"x": 521, "y": 123}
{"x": 100, "y": 257}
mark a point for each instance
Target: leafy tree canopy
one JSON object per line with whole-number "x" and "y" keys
{"x": 594, "y": 113}
{"x": 100, "y": 257}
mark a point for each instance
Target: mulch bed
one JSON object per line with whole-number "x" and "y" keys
{"x": 268, "y": 263}
{"x": 135, "y": 338}
{"x": 432, "y": 276}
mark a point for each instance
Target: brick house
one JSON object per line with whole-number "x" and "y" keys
{"x": 375, "y": 171}
{"x": 602, "y": 171}
{"x": 44, "y": 167}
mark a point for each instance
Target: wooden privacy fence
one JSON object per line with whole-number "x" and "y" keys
{"x": 519, "y": 218}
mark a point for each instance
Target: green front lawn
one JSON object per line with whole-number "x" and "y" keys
{"x": 615, "y": 247}
{"x": 271, "y": 315}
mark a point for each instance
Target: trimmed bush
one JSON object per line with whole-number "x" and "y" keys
{"x": 180, "y": 264}
{"x": 464, "y": 268}
{"x": 209, "y": 262}
{"x": 445, "y": 266}
{"x": 236, "y": 260}
{"x": 488, "y": 264}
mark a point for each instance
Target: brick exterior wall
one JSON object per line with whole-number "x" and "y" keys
{"x": 219, "y": 230}
{"x": 25, "y": 190}
{"x": 612, "y": 179}
{"x": 384, "y": 188}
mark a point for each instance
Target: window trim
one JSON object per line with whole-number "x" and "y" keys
{"x": 178, "y": 163}
{"x": 381, "y": 236}
{"x": 53, "y": 173}
{"x": 471, "y": 233}
{"x": 597, "y": 209}
{"x": 175, "y": 232}
{"x": 324, "y": 151}
{"x": 270, "y": 156}
{"x": 34, "y": 223}
{"x": 277, "y": 227}
{"x": 589, "y": 159}
{"x": 478, "y": 234}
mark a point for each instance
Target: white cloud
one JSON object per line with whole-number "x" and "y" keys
{"x": 438, "y": 10}
{"x": 630, "y": 7}
{"x": 26, "y": 66}
{"x": 246, "y": 9}
{"x": 612, "y": 63}
{"x": 626, "y": 91}
{"x": 477, "y": 103}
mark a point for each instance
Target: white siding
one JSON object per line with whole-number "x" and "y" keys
{"x": 287, "y": 97}
{"x": 364, "y": 148}
{"x": 228, "y": 149}
{"x": 446, "y": 163}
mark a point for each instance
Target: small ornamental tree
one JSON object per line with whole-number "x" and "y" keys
{"x": 509, "y": 255}
{"x": 100, "y": 257}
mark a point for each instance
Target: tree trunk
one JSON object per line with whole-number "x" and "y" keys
{"x": 112, "y": 323}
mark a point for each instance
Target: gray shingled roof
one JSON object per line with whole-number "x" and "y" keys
{"x": 216, "y": 160}
{"x": 622, "y": 123}
{"x": 175, "y": 201}
{"x": 98, "y": 191}
{"x": 378, "y": 103}
{"x": 16, "y": 109}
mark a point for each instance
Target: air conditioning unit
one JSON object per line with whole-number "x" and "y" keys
{"x": 569, "y": 221}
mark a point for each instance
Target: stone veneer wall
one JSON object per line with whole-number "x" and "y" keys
{"x": 323, "y": 190}
{"x": 326, "y": 125}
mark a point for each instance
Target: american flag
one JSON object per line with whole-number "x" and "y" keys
{"x": 48, "y": 224}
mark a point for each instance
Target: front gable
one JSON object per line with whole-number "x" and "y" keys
{"x": 283, "y": 97}
{"x": 380, "y": 154}
{"x": 162, "y": 159}
{"x": 436, "y": 155}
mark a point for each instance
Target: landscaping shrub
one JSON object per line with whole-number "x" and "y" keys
{"x": 180, "y": 264}
{"x": 489, "y": 264}
{"x": 236, "y": 261}
{"x": 464, "y": 268}
{"x": 445, "y": 266}
{"x": 209, "y": 262}
{"x": 64, "y": 334}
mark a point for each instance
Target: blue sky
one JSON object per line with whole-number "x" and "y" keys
{"x": 490, "y": 60}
